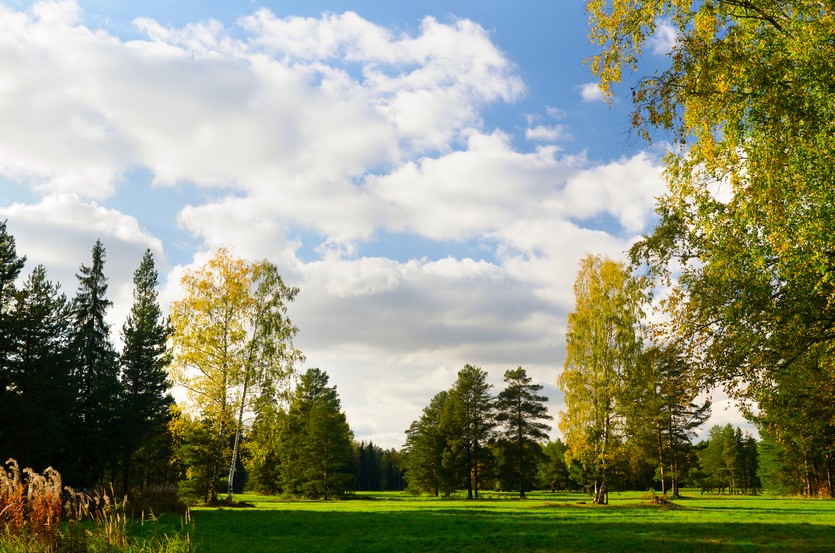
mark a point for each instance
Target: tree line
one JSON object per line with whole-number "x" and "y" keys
{"x": 67, "y": 397}
{"x": 70, "y": 400}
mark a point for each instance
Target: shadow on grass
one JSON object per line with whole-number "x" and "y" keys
{"x": 448, "y": 530}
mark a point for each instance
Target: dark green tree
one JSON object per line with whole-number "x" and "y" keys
{"x": 553, "y": 471}
{"x": 10, "y": 267}
{"x": 145, "y": 389}
{"x": 520, "y": 412}
{"x": 424, "y": 451}
{"x": 263, "y": 445}
{"x": 96, "y": 373}
{"x": 468, "y": 420}
{"x": 40, "y": 373}
{"x": 316, "y": 444}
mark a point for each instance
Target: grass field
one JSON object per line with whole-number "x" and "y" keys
{"x": 544, "y": 522}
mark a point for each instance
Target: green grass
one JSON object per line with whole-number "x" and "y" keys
{"x": 545, "y": 522}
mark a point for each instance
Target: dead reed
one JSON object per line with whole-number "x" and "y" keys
{"x": 33, "y": 507}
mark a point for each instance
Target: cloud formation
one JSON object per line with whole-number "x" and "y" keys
{"x": 320, "y": 135}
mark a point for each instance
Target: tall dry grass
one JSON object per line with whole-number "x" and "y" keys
{"x": 38, "y": 515}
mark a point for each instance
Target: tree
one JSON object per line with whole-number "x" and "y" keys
{"x": 748, "y": 97}
{"x": 666, "y": 412}
{"x": 554, "y": 471}
{"x": 602, "y": 344}
{"x": 96, "y": 373}
{"x": 468, "y": 422}
{"x": 145, "y": 397}
{"x": 10, "y": 267}
{"x": 316, "y": 444}
{"x": 231, "y": 338}
{"x": 424, "y": 450}
{"x": 520, "y": 410}
{"x": 40, "y": 373}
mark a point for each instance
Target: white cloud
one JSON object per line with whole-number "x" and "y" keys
{"x": 59, "y": 233}
{"x": 590, "y": 92}
{"x": 330, "y": 129}
{"x": 663, "y": 39}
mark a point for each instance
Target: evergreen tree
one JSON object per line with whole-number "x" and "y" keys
{"x": 40, "y": 373}
{"x": 145, "y": 397}
{"x": 520, "y": 412}
{"x": 554, "y": 471}
{"x": 468, "y": 421}
{"x": 425, "y": 445}
{"x": 10, "y": 267}
{"x": 316, "y": 445}
{"x": 96, "y": 373}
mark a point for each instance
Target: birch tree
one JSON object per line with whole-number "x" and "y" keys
{"x": 231, "y": 336}
{"x": 745, "y": 227}
{"x": 602, "y": 344}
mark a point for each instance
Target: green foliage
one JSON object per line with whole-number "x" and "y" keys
{"x": 96, "y": 373}
{"x": 376, "y": 469}
{"x": 520, "y": 412}
{"x": 424, "y": 450}
{"x": 467, "y": 421}
{"x": 145, "y": 398}
{"x": 745, "y": 231}
{"x": 553, "y": 472}
{"x": 38, "y": 373}
{"x": 316, "y": 450}
{"x": 729, "y": 461}
{"x": 603, "y": 346}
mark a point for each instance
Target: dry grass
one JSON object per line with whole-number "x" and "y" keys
{"x": 33, "y": 507}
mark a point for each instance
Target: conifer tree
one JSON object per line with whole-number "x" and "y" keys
{"x": 316, "y": 445}
{"x": 40, "y": 373}
{"x": 145, "y": 397}
{"x": 468, "y": 421}
{"x": 520, "y": 412}
{"x": 96, "y": 373}
{"x": 10, "y": 267}
{"x": 424, "y": 451}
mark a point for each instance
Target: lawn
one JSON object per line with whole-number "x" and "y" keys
{"x": 544, "y": 522}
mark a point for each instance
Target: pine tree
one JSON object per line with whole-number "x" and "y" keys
{"x": 145, "y": 397}
{"x": 96, "y": 372}
{"x": 468, "y": 421}
{"x": 520, "y": 412}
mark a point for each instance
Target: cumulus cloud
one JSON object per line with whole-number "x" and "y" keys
{"x": 663, "y": 39}
{"x": 319, "y": 134}
{"x": 590, "y": 92}
{"x": 59, "y": 233}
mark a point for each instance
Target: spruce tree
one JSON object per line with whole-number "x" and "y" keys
{"x": 10, "y": 267}
{"x": 40, "y": 373}
{"x": 424, "y": 451}
{"x": 316, "y": 444}
{"x": 145, "y": 397}
{"x": 96, "y": 372}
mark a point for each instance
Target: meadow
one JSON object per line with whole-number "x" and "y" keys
{"x": 499, "y": 523}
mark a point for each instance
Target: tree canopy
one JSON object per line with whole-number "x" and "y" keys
{"x": 745, "y": 228}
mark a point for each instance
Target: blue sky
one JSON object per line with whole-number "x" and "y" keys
{"x": 428, "y": 173}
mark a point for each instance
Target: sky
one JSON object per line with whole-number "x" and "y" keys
{"x": 428, "y": 173}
